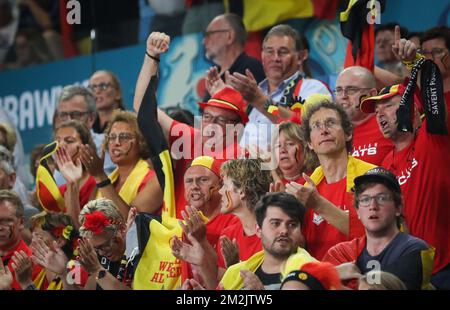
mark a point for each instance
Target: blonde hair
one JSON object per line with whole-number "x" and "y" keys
{"x": 248, "y": 175}
{"x": 387, "y": 281}
{"x": 10, "y": 136}
{"x": 293, "y": 131}
{"x": 105, "y": 206}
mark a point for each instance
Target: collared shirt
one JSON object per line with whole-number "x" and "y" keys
{"x": 258, "y": 131}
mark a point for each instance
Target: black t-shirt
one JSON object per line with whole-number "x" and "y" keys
{"x": 123, "y": 269}
{"x": 271, "y": 281}
{"x": 401, "y": 257}
{"x": 240, "y": 64}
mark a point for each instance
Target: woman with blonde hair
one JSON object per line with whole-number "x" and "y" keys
{"x": 380, "y": 280}
{"x": 106, "y": 89}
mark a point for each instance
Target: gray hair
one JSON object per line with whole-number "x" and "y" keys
{"x": 236, "y": 23}
{"x": 105, "y": 206}
{"x": 71, "y": 91}
{"x": 14, "y": 199}
{"x": 6, "y": 166}
{"x": 285, "y": 30}
{"x": 5, "y": 154}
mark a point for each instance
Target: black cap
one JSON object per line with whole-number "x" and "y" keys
{"x": 379, "y": 174}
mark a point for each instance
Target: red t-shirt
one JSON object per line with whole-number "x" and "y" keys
{"x": 85, "y": 191}
{"x": 192, "y": 137}
{"x": 423, "y": 172}
{"x": 248, "y": 245}
{"x": 321, "y": 236}
{"x": 369, "y": 144}
{"x": 213, "y": 232}
{"x": 7, "y": 260}
{"x": 300, "y": 180}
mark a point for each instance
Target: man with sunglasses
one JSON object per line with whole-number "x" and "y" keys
{"x": 379, "y": 204}
{"x": 353, "y": 84}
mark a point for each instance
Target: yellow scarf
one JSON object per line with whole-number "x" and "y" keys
{"x": 232, "y": 279}
{"x": 129, "y": 189}
{"x": 55, "y": 284}
{"x": 355, "y": 167}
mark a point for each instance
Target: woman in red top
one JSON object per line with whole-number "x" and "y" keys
{"x": 80, "y": 185}
{"x": 294, "y": 157}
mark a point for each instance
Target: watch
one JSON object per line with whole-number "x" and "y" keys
{"x": 100, "y": 275}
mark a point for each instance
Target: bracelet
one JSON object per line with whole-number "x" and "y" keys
{"x": 152, "y": 57}
{"x": 103, "y": 183}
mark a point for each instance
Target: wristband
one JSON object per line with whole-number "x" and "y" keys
{"x": 152, "y": 57}
{"x": 103, "y": 183}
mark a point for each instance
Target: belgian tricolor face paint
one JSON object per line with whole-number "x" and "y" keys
{"x": 229, "y": 205}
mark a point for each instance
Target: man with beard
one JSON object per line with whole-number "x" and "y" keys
{"x": 279, "y": 217}
{"x": 378, "y": 201}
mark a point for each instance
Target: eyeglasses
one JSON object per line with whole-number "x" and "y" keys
{"x": 101, "y": 86}
{"x": 211, "y": 32}
{"x": 123, "y": 137}
{"x": 351, "y": 90}
{"x": 434, "y": 53}
{"x": 72, "y": 115}
{"x": 273, "y": 53}
{"x": 107, "y": 245}
{"x": 220, "y": 120}
{"x": 381, "y": 199}
{"x": 329, "y": 124}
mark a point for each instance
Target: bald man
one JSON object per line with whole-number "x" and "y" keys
{"x": 352, "y": 84}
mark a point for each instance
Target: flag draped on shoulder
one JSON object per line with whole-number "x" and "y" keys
{"x": 47, "y": 191}
{"x": 357, "y": 25}
{"x": 157, "y": 268}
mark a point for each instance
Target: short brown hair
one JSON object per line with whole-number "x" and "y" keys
{"x": 14, "y": 199}
{"x": 81, "y": 128}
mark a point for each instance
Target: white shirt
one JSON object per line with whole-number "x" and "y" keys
{"x": 258, "y": 131}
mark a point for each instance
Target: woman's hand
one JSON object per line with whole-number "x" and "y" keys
{"x": 71, "y": 171}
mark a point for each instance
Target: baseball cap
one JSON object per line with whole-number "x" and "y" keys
{"x": 316, "y": 276}
{"x": 379, "y": 174}
{"x": 208, "y": 162}
{"x": 228, "y": 99}
{"x": 368, "y": 104}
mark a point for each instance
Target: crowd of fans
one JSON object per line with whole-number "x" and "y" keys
{"x": 286, "y": 184}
